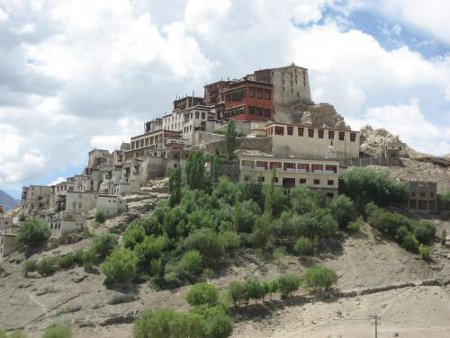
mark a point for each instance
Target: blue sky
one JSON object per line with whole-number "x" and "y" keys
{"x": 80, "y": 74}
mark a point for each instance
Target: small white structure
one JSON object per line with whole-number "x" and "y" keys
{"x": 110, "y": 205}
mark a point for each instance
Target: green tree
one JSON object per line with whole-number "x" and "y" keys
{"x": 230, "y": 139}
{"x": 272, "y": 286}
{"x": 319, "y": 276}
{"x": 175, "y": 186}
{"x": 57, "y": 330}
{"x": 424, "y": 231}
{"x": 190, "y": 265}
{"x": 203, "y": 294}
{"x": 301, "y": 199}
{"x": 33, "y": 233}
{"x": 425, "y": 252}
{"x": 134, "y": 234}
{"x": 287, "y": 284}
{"x": 195, "y": 170}
{"x": 209, "y": 243}
{"x": 120, "y": 266}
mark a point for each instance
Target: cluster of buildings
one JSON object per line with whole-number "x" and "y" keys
{"x": 263, "y": 104}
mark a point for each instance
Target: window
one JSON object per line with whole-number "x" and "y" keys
{"x": 422, "y": 194}
{"x": 352, "y": 137}
{"x": 279, "y": 130}
{"x": 330, "y": 182}
{"x": 288, "y": 182}
{"x": 316, "y": 182}
{"x": 290, "y": 130}
{"x": 267, "y": 94}
{"x": 301, "y": 131}
{"x": 310, "y": 132}
{"x": 321, "y": 131}
{"x": 252, "y": 93}
{"x": 261, "y": 179}
{"x": 331, "y": 134}
{"x": 275, "y": 180}
{"x": 342, "y": 135}
{"x": 203, "y": 116}
{"x": 303, "y": 181}
{"x": 260, "y": 93}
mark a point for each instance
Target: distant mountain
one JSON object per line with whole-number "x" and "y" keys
{"x": 7, "y": 201}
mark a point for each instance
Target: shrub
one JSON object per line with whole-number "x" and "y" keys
{"x": 104, "y": 244}
{"x": 287, "y": 284}
{"x": 190, "y": 264}
{"x": 169, "y": 323}
{"x": 203, "y": 294}
{"x": 303, "y": 246}
{"x": 208, "y": 243}
{"x": 364, "y": 185}
{"x": 28, "y": 266}
{"x": 425, "y": 252}
{"x": 219, "y": 326}
{"x": 317, "y": 223}
{"x": 319, "y": 276}
{"x": 78, "y": 256}
{"x": 120, "y": 266}
{"x": 424, "y": 231}
{"x": 254, "y": 289}
{"x": 22, "y": 217}
{"x": 100, "y": 216}
{"x": 236, "y": 292}
{"x": 410, "y": 243}
{"x": 272, "y": 286}
{"x": 88, "y": 258}
{"x": 245, "y": 215}
{"x": 151, "y": 248}
{"x": 46, "y": 266}
{"x": 134, "y": 234}
{"x": 67, "y": 261}
{"x": 343, "y": 210}
{"x": 356, "y": 225}
{"x": 57, "y": 331}
{"x": 33, "y": 233}
{"x": 387, "y": 222}
{"x": 302, "y": 200}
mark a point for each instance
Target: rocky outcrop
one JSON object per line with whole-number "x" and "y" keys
{"x": 373, "y": 141}
{"x": 321, "y": 114}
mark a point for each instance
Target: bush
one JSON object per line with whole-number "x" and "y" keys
{"x": 120, "y": 266}
{"x": 319, "y": 276}
{"x": 287, "y": 284}
{"x": 169, "y": 323}
{"x": 88, "y": 258}
{"x": 343, "y": 210}
{"x": 22, "y": 217}
{"x": 410, "y": 242}
{"x": 272, "y": 286}
{"x": 134, "y": 234}
{"x": 57, "y": 331}
{"x": 17, "y": 334}
{"x": 28, "y": 266}
{"x": 364, "y": 185}
{"x": 33, "y": 233}
{"x": 356, "y": 225}
{"x": 302, "y": 200}
{"x": 218, "y": 325}
{"x": 99, "y": 216}
{"x": 190, "y": 264}
{"x": 208, "y": 243}
{"x": 254, "y": 289}
{"x": 387, "y": 222}
{"x": 78, "y": 256}
{"x": 203, "y": 294}
{"x": 245, "y": 215}
{"x": 424, "y": 231}
{"x": 303, "y": 246}
{"x": 151, "y": 248}
{"x": 236, "y": 292}
{"x": 67, "y": 261}
{"x": 46, "y": 266}
{"x": 425, "y": 252}
{"x": 104, "y": 244}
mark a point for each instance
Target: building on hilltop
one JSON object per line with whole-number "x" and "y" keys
{"x": 312, "y": 142}
{"x": 422, "y": 197}
{"x": 290, "y": 172}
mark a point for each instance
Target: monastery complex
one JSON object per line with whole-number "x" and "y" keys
{"x": 280, "y": 129}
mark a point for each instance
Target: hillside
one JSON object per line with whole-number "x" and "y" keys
{"x": 7, "y": 201}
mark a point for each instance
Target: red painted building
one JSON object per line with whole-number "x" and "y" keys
{"x": 247, "y": 100}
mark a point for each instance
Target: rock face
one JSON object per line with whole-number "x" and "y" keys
{"x": 373, "y": 141}
{"x": 322, "y": 114}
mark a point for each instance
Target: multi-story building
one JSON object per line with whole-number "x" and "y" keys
{"x": 146, "y": 144}
{"x": 35, "y": 198}
{"x": 422, "y": 197}
{"x": 291, "y": 172}
{"x": 312, "y": 142}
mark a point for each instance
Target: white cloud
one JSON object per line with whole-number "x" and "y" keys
{"x": 3, "y": 15}
{"x": 57, "y": 180}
